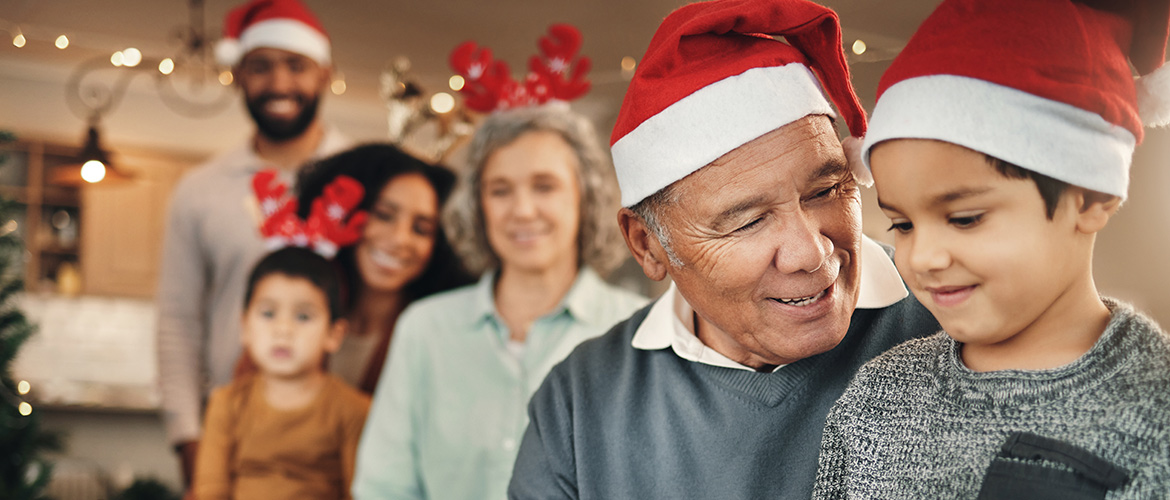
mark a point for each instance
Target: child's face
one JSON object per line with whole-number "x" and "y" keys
{"x": 976, "y": 247}
{"x": 287, "y": 329}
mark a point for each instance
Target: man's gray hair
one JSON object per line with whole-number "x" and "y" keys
{"x": 598, "y": 240}
{"x": 649, "y": 210}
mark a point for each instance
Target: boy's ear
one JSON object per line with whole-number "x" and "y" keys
{"x": 336, "y": 335}
{"x": 645, "y": 247}
{"x": 1095, "y": 209}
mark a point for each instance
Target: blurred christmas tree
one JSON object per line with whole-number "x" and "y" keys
{"x": 23, "y": 473}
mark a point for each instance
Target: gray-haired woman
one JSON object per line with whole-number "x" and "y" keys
{"x": 536, "y": 211}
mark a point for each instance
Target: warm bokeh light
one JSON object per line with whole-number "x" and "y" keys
{"x": 25, "y": 409}
{"x": 18, "y": 41}
{"x": 23, "y": 387}
{"x": 859, "y": 47}
{"x": 628, "y": 63}
{"x": 442, "y": 102}
{"x": 9, "y": 227}
{"x": 117, "y": 59}
{"x": 131, "y": 57}
{"x": 62, "y": 42}
{"x": 338, "y": 87}
{"x": 225, "y": 78}
{"x": 456, "y": 82}
{"x": 93, "y": 171}
{"x": 166, "y": 66}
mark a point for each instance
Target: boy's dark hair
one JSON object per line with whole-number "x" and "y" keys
{"x": 1050, "y": 189}
{"x": 296, "y": 262}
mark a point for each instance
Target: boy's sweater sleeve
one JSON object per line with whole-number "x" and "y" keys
{"x": 832, "y": 462}
{"x": 213, "y": 467}
{"x": 545, "y": 467}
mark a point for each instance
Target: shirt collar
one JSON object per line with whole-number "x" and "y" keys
{"x": 670, "y": 322}
{"x": 582, "y": 301}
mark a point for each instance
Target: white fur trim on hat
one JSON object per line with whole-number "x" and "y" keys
{"x": 285, "y": 34}
{"x": 1153, "y": 96}
{"x": 703, "y": 126}
{"x": 1053, "y": 138}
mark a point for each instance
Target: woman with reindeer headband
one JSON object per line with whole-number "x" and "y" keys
{"x": 535, "y": 212}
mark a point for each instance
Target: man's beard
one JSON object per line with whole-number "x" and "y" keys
{"x": 278, "y": 130}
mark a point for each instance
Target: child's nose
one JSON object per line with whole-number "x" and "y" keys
{"x": 928, "y": 252}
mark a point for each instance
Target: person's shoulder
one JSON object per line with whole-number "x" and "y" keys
{"x": 598, "y": 357}
{"x": 345, "y": 397}
{"x": 209, "y": 174}
{"x": 903, "y": 320}
{"x": 916, "y": 350}
{"x": 438, "y": 314}
{"x": 904, "y": 365}
{"x": 231, "y": 397}
{"x": 616, "y": 303}
{"x": 449, "y": 305}
{"x": 1148, "y": 342}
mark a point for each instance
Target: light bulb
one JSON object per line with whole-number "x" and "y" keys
{"x": 166, "y": 66}
{"x": 442, "y": 102}
{"x": 93, "y": 171}
{"x": 23, "y": 387}
{"x": 62, "y": 42}
{"x": 25, "y": 409}
{"x": 338, "y": 87}
{"x": 456, "y": 82}
{"x": 131, "y": 57}
{"x": 225, "y": 78}
{"x": 19, "y": 40}
{"x": 117, "y": 59}
{"x": 859, "y": 47}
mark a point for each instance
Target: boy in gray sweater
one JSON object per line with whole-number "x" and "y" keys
{"x": 1000, "y": 145}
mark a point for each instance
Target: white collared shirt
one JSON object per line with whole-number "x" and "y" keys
{"x": 671, "y": 320}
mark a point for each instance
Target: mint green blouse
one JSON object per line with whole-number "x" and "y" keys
{"x": 451, "y": 405}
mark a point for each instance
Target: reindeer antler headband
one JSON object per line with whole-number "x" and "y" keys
{"x": 557, "y": 73}
{"x": 325, "y": 230}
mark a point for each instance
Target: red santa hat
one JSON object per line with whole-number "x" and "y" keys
{"x": 715, "y": 77}
{"x": 1043, "y": 84}
{"x": 278, "y": 24}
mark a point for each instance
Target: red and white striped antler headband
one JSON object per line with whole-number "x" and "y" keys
{"x": 556, "y": 74}
{"x": 325, "y": 230}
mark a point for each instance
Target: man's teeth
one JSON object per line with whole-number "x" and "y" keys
{"x": 280, "y": 106}
{"x": 803, "y": 301}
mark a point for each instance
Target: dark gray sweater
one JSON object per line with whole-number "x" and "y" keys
{"x": 615, "y": 422}
{"x": 916, "y": 423}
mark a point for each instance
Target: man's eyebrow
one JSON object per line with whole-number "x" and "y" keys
{"x": 833, "y": 168}
{"x": 736, "y": 209}
{"x": 944, "y": 198}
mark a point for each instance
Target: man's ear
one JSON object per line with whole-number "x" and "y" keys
{"x": 336, "y": 335}
{"x": 1095, "y": 209}
{"x": 326, "y": 78}
{"x": 645, "y": 247}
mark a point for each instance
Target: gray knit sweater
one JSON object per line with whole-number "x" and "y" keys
{"x": 916, "y": 423}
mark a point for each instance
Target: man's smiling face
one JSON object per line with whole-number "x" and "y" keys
{"x": 768, "y": 236}
{"x": 281, "y": 90}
